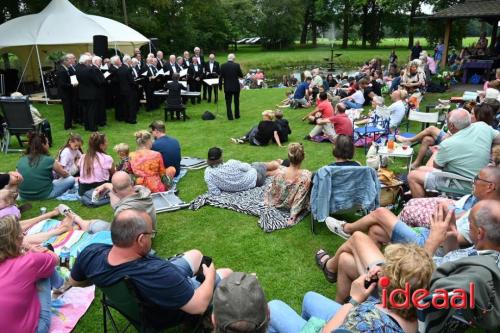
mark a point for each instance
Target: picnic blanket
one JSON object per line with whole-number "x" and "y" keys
{"x": 193, "y": 163}
{"x": 250, "y": 202}
{"x": 68, "y": 308}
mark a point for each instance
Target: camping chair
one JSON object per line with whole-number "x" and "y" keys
{"x": 374, "y": 130}
{"x": 454, "y": 187}
{"x": 18, "y": 120}
{"x": 425, "y": 118}
{"x": 122, "y": 296}
{"x": 350, "y": 188}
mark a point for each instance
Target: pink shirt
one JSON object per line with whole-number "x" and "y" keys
{"x": 19, "y": 303}
{"x": 326, "y": 108}
{"x": 100, "y": 169}
{"x": 10, "y": 210}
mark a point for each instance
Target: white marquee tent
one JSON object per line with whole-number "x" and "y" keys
{"x": 61, "y": 27}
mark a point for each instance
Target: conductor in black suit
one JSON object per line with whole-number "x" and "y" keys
{"x": 230, "y": 73}
{"x": 65, "y": 90}
{"x": 212, "y": 71}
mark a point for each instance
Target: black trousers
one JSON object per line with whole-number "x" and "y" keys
{"x": 151, "y": 100}
{"x": 118, "y": 103}
{"x": 89, "y": 114}
{"x": 130, "y": 106}
{"x": 100, "y": 102}
{"x": 216, "y": 93}
{"x": 229, "y": 99}
{"x": 67, "y": 103}
{"x": 205, "y": 90}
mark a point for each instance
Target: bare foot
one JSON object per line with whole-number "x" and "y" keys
{"x": 402, "y": 139}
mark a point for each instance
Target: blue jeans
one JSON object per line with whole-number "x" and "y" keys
{"x": 404, "y": 234}
{"x": 60, "y": 186}
{"x": 44, "y": 288}
{"x": 187, "y": 270}
{"x": 350, "y": 104}
{"x": 285, "y": 320}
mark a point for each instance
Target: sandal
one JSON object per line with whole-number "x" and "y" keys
{"x": 329, "y": 275}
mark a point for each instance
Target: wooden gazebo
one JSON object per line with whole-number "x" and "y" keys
{"x": 486, "y": 10}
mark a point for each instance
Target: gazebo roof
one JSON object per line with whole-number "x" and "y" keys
{"x": 470, "y": 9}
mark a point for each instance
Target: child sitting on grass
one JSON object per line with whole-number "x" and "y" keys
{"x": 69, "y": 155}
{"x": 122, "y": 149}
{"x": 283, "y": 126}
{"x": 287, "y": 101}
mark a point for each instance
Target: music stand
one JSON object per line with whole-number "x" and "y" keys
{"x": 212, "y": 83}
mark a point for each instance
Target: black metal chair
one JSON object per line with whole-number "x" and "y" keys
{"x": 17, "y": 121}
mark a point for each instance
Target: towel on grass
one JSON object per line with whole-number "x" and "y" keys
{"x": 250, "y": 202}
{"x": 68, "y": 308}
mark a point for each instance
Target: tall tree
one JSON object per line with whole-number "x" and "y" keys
{"x": 280, "y": 22}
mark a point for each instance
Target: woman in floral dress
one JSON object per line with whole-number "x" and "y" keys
{"x": 147, "y": 165}
{"x": 290, "y": 187}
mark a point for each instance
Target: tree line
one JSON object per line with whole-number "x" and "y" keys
{"x": 217, "y": 24}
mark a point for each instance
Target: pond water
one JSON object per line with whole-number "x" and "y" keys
{"x": 275, "y": 75}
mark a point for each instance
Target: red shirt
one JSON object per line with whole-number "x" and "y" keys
{"x": 342, "y": 124}
{"x": 326, "y": 109}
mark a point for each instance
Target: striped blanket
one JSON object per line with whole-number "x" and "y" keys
{"x": 250, "y": 202}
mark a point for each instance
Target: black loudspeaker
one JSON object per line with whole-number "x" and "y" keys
{"x": 154, "y": 44}
{"x": 101, "y": 46}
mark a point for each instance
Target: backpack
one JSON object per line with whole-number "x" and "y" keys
{"x": 207, "y": 115}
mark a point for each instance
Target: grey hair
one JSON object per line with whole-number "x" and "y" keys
{"x": 124, "y": 230}
{"x": 230, "y": 57}
{"x": 66, "y": 57}
{"x": 460, "y": 118}
{"x": 126, "y": 58}
{"x": 95, "y": 59}
{"x": 489, "y": 219}
{"x": 114, "y": 59}
{"x": 84, "y": 58}
{"x": 135, "y": 61}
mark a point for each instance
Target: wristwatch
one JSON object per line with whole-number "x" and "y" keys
{"x": 352, "y": 301}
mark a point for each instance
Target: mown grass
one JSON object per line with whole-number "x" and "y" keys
{"x": 283, "y": 260}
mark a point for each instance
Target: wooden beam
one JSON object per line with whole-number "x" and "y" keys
{"x": 447, "y": 33}
{"x": 494, "y": 32}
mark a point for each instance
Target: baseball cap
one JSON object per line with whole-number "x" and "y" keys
{"x": 240, "y": 298}
{"x": 214, "y": 153}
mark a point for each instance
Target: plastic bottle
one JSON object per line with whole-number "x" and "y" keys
{"x": 64, "y": 257}
{"x": 390, "y": 143}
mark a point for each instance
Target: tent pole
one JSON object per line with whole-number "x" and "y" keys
{"x": 24, "y": 70}
{"x": 446, "y": 41}
{"x": 41, "y": 74}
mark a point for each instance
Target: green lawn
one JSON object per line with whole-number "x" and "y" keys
{"x": 283, "y": 260}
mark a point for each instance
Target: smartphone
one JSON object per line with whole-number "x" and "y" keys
{"x": 368, "y": 283}
{"x": 200, "y": 277}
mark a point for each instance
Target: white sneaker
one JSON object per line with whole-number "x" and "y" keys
{"x": 337, "y": 227}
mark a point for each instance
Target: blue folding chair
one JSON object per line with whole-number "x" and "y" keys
{"x": 377, "y": 128}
